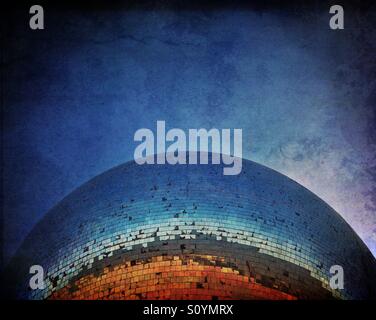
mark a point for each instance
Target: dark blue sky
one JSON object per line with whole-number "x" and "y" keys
{"x": 75, "y": 93}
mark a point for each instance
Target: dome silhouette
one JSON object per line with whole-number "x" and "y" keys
{"x": 189, "y": 232}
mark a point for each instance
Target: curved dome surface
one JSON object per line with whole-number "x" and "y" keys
{"x": 189, "y": 232}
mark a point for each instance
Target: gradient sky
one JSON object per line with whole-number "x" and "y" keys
{"x": 75, "y": 93}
